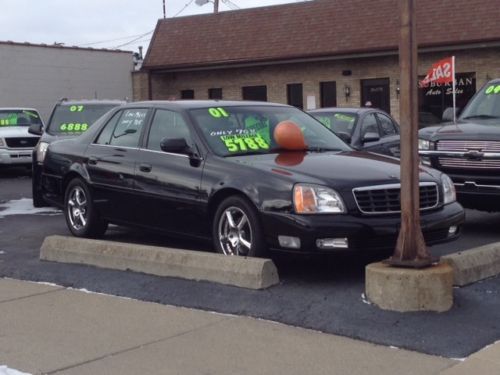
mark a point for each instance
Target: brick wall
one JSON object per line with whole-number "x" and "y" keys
{"x": 140, "y": 86}
{"x": 168, "y": 85}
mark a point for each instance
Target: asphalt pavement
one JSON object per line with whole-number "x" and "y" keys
{"x": 324, "y": 294}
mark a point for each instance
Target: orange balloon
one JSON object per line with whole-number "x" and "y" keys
{"x": 289, "y": 136}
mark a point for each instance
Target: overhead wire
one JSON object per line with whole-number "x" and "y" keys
{"x": 134, "y": 40}
{"x": 111, "y": 40}
{"x": 182, "y": 10}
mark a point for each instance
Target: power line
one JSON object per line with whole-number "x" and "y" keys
{"x": 111, "y": 40}
{"x": 134, "y": 40}
{"x": 182, "y": 10}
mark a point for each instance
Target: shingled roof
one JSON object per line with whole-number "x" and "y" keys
{"x": 317, "y": 28}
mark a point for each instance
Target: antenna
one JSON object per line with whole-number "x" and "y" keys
{"x": 203, "y": 2}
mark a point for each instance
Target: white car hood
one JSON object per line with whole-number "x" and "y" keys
{"x": 15, "y": 132}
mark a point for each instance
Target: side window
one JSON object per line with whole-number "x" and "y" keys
{"x": 127, "y": 131}
{"x": 386, "y": 125}
{"x": 369, "y": 125}
{"x": 167, "y": 124}
{"x": 105, "y": 136}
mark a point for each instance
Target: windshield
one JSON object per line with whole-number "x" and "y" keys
{"x": 485, "y": 105}
{"x": 338, "y": 122}
{"x": 19, "y": 117}
{"x": 75, "y": 119}
{"x": 249, "y": 129}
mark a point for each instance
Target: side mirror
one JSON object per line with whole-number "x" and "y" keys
{"x": 448, "y": 114}
{"x": 36, "y": 129}
{"x": 370, "y": 137}
{"x": 345, "y": 137}
{"x": 175, "y": 146}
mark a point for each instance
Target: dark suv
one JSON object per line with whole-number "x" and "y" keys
{"x": 469, "y": 151}
{"x": 68, "y": 119}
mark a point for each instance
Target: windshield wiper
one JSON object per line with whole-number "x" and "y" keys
{"x": 479, "y": 116}
{"x": 244, "y": 153}
{"x": 323, "y": 149}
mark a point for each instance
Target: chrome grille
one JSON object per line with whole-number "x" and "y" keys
{"x": 484, "y": 146}
{"x": 386, "y": 199}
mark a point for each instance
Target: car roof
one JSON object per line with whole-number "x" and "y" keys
{"x": 357, "y": 110}
{"x": 92, "y": 101}
{"x": 195, "y": 104}
{"x": 18, "y": 109}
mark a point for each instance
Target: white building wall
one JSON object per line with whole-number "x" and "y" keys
{"x": 38, "y": 76}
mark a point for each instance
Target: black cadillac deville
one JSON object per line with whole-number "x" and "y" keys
{"x": 469, "y": 151}
{"x": 251, "y": 176}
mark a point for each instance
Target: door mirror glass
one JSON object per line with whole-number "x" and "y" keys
{"x": 344, "y": 136}
{"x": 35, "y": 129}
{"x": 371, "y": 137}
{"x": 175, "y": 146}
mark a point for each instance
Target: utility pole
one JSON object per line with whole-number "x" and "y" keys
{"x": 216, "y": 6}
{"x": 411, "y": 250}
{"x": 164, "y": 10}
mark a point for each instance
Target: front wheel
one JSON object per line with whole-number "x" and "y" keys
{"x": 236, "y": 228}
{"x": 81, "y": 216}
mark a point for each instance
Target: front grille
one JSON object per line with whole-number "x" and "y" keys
{"x": 24, "y": 142}
{"x": 386, "y": 199}
{"x": 464, "y": 146}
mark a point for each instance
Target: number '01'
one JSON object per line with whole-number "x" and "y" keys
{"x": 218, "y": 112}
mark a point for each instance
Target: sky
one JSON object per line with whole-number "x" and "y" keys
{"x": 98, "y": 23}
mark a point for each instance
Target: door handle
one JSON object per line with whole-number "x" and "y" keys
{"x": 145, "y": 167}
{"x": 92, "y": 160}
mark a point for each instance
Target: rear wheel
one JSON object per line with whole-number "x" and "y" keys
{"x": 81, "y": 216}
{"x": 236, "y": 228}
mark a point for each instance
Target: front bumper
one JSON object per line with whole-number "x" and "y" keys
{"x": 364, "y": 233}
{"x": 9, "y": 156}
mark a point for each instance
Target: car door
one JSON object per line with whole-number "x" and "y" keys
{"x": 111, "y": 160}
{"x": 369, "y": 126}
{"x": 169, "y": 183}
{"x": 389, "y": 132}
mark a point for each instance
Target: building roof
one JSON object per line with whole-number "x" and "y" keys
{"x": 61, "y": 46}
{"x": 313, "y": 29}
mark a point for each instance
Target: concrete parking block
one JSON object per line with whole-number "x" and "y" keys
{"x": 14, "y": 289}
{"x": 252, "y": 273}
{"x": 490, "y": 353}
{"x": 248, "y": 346}
{"x": 473, "y": 366}
{"x": 53, "y": 331}
{"x": 475, "y": 264}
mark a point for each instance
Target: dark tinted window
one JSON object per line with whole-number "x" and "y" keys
{"x": 258, "y": 93}
{"x": 294, "y": 95}
{"x": 126, "y": 130}
{"x": 76, "y": 118}
{"x": 369, "y": 125}
{"x": 386, "y": 125}
{"x": 215, "y": 93}
{"x": 105, "y": 136}
{"x": 167, "y": 124}
{"x": 328, "y": 92}
{"x": 19, "y": 118}
{"x": 187, "y": 94}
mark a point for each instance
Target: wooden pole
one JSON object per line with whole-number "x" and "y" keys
{"x": 410, "y": 249}
{"x": 216, "y": 6}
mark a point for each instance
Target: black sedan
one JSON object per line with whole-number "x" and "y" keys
{"x": 366, "y": 129}
{"x": 251, "y": 176}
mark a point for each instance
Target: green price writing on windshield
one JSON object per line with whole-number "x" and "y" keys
{"x": 493, "y": 89}
{"x": 9, "y": 120}
{"x": 325, "y": 121}
{"x": 236, "y": 143}
{"x": 343, "y": 117}
{"x": 71, "y": 127}
{"x": 76, "y": 108}
{"x": 218, "y": 112}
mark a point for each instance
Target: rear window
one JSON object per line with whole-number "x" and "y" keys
{"x": 19, "y": 117}
{"x": 74, "y": 119}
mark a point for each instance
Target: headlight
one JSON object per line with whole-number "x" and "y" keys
{"x": 41, "y": 149}
{"x": 2, "y": 143}
{"x": 449, "y": 194}
{"x": 424, "y": 144}
{"x": 316, "y": 199}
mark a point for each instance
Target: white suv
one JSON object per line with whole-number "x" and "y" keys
{"x": 16, "y": 144}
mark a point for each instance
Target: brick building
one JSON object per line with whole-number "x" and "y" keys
{"x": 319, "y": 53}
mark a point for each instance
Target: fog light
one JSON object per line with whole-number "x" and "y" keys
{"x": 289, "y": 242}
{"x": 453, "y": 230}
{"x": 332, "y": 243}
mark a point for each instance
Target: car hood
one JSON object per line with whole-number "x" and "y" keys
{"x": 473, "y": 130}
{"x": 15, "y": 131}
{"x": 342, "y": 170}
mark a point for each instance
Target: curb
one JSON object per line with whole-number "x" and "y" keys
{"x": 475, "y": 264}
{"x": 251, "y": 273}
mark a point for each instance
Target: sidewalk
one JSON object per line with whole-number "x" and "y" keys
{"x": 52, "y": 330}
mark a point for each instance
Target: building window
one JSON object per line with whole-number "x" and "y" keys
{"x": 215, "y": 93}
{"x": 187, "y": 94}
{"x": 257, "y": 93}
{"x": 294, "y": 95}
{"x": 328, "y": 93}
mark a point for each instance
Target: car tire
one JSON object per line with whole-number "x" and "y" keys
{"x": 236, "y": 228}
{"x": 80, "y": 213}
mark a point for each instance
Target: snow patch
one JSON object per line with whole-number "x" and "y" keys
{"x": 364, "y": 299}
{"x": 459, "y": 359}
{"x": 24, "y": 206}
{"x": 4, "y": 370}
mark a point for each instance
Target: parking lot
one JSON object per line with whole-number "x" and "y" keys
{"x": 325, "y": 294}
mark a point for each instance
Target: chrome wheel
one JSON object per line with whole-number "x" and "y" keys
{"x": 77, "y": 208}
{"x": 235, "y": 232}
